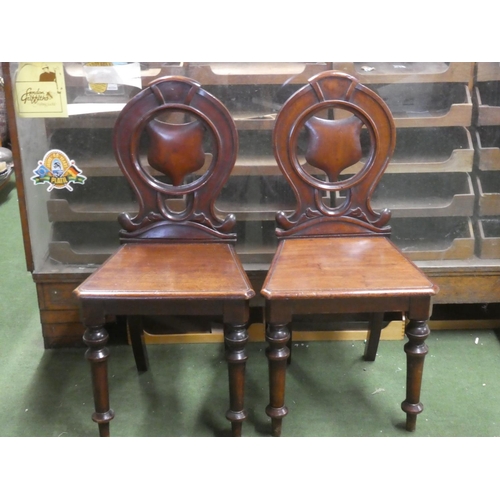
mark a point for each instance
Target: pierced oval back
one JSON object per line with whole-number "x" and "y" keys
{"x": 330, "y": 114}
{"x": 176, "y": 145}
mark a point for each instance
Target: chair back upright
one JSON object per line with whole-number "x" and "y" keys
{"x": 316, "y": 138}
{"x": 176, "y": 145}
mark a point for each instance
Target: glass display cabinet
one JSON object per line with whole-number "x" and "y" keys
{"x": 442, "y": 185}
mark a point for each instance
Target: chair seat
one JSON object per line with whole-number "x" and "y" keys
{"x": 342, "y": 267}
{"x": 169, "y": 271}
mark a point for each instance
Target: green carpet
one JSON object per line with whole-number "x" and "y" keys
{"x": 331, "y": 391}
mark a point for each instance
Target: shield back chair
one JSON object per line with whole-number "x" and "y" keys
{"x": 337, "y": 257}
{"x": 173, "y": 259}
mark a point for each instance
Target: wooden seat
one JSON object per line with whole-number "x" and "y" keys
{"x": 176, "y": 145}
{"x": 336, "y": 136}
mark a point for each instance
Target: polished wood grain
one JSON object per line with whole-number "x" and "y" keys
{"x": 339, "y": 267}
{"x": 171, "y": 262}
{"x": 169, "y": 271}
{"x": 338, "y": 258}
{"x": 176, "y": 148}
{"x": 334, "y": 145}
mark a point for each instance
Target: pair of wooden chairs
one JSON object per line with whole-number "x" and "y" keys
{"x": 332, "y": 257}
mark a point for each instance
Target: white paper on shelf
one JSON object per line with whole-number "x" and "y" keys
{"x": 90, "y": 108}
{"x": 120, "y": 74}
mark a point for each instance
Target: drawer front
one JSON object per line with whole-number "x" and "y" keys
{"x": 57, "y": 295}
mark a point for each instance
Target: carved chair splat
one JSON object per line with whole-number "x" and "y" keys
{"x": 173, "y": 259}
{"x": 338, "y": 258}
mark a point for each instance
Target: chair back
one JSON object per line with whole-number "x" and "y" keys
{"x": 318, "y": 145}
{"x": 176, "y": 145}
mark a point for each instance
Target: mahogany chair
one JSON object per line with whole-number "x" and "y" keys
{"x": 176, "y": 255}
{"x": 336, "y": 257}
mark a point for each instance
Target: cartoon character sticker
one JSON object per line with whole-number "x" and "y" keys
{"x": 58, "y": 171}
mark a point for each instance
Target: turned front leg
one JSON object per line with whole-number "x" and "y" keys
{"x": 289, "y": 344}
{"x": 416, "y": 349}
{"x": 236, "y": 338}
{"x": 277, "y": 353}
{"x": 96, "y": 338}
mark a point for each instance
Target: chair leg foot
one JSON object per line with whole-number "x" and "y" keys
{"x": 96, "y": 338}
{"x": 237, "y": 429}
{"x": 277, "y": 415}
{"x": 416, "y": 350}
{"x": 277, "y": 354}
{"x": 411, "y": 422}
{"x": 276, "y": 427}
{"x": 104, "y": 430}
{"x": 235, "y": 339}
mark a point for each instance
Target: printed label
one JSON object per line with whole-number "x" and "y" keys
{"x": 58, "y": 171}
{"x": 40, "y": 90}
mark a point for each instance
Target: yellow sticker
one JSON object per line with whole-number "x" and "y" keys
{"x": 40, "y": 90}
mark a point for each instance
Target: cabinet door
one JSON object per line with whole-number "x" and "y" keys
{"x": 441, "y": 184}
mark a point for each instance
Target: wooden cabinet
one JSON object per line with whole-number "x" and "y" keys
{"x": 442, "y": 185}
{"x": 487, "y": 174}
